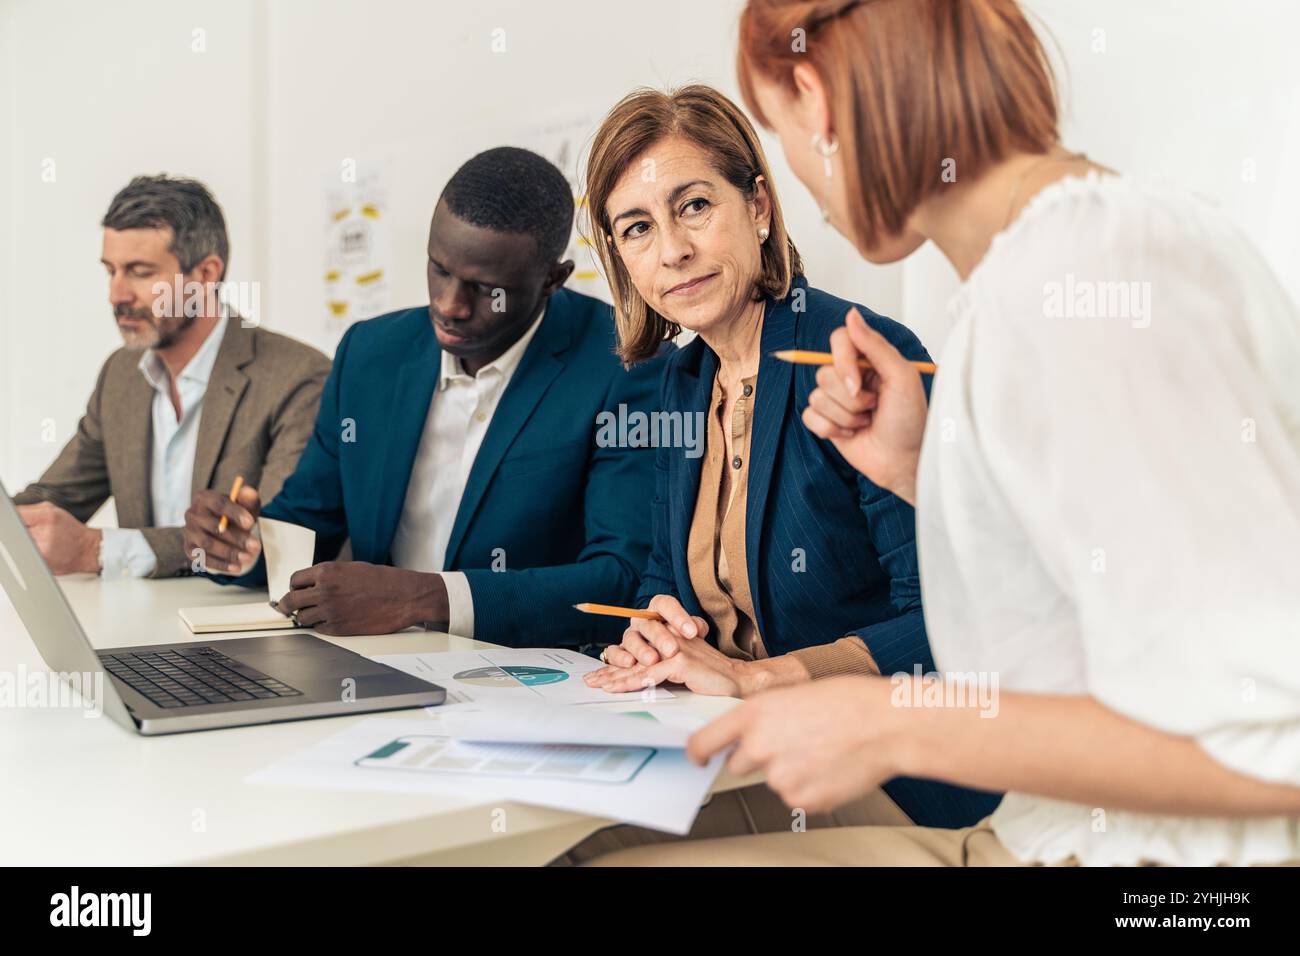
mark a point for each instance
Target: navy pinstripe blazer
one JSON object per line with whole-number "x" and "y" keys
{"x": 828, "y": 552}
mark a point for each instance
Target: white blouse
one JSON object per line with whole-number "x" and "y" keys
{"x": 1109, "y": 500}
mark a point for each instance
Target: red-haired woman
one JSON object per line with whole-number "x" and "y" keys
{"x": 1107, "y": 478}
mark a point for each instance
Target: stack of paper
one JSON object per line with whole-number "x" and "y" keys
{"x": 630, "y": 768}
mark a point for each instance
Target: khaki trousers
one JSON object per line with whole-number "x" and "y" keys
{"x": 847, "y": 846}
{"x": 740, "y": 814}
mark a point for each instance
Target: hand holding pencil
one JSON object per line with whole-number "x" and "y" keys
{"x": 652, "y": 634}
{"x": 874, "y": 415}
{"x": 219, "y": 527}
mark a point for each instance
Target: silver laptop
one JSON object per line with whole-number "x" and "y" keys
{"x": 171, "y": 688}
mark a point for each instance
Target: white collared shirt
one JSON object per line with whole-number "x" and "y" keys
{"x": 125, "y": 552}
{"x": 457, "y": 421}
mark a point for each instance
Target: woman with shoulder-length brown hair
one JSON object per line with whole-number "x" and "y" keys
{"x": 773, "y": 562}
{"x": 1107, "y": 551}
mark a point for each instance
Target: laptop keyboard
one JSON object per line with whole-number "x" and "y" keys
{"x": 201, "y": 676}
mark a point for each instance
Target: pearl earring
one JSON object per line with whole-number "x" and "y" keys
{"x": 763, "y": 233}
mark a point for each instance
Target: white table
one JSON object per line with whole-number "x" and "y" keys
{"x": 85, "y": 792}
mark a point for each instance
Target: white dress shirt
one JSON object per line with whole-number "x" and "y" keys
{"x": 124, "y": 551}
{"x": 1109, "y": 500}
{"x": 458, "y": 419}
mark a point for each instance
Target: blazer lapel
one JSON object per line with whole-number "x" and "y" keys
{"x": 538, "y": 368}
{"x": 773, "y": 402}
{"x": 226, "y": 386}
{"x": 416, "y": 380}
{"x": 132, "y": 452}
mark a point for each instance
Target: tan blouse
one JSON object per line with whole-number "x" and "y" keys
{"x": 715, "y": 549}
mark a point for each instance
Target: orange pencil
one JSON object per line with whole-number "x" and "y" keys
{"x": 614, "y": 611}
{"x": 800, "y": 357}
{"x": 234, "y": 493}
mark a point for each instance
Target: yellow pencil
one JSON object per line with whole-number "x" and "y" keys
{"x": 234, "y": 493}
{"x": 613, "y": 611}
{"x": 800, "y": 357}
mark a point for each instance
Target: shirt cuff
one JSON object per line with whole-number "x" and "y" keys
{"x": 460, "y": 604}
{"x": 124, "y": 553}
{"x": 848, "y": 655}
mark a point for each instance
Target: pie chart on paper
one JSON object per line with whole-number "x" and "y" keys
{"x": 511, "y": 675}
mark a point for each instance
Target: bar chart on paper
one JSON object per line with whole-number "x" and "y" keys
{"x": 437, "y": 754}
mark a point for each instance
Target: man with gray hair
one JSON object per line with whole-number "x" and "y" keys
{"x": 195, "y": 397}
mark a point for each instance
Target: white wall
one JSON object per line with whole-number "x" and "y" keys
{"x": 104, "y": 91}
{"x": 1186, "y": 90}
{"x": 8, "y": 250}
{"x": 1199, "y": 93}
{"x": 420, "y": 83}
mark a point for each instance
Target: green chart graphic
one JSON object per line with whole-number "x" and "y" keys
{"x": 511, "y": 675}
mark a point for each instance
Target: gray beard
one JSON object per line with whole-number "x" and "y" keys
{"x": 167, "y": 339}
{"x": 164, "y": 340}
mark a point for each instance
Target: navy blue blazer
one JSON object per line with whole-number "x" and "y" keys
{"x": 565, "y": 514}
{"x": 828, "y": 552}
